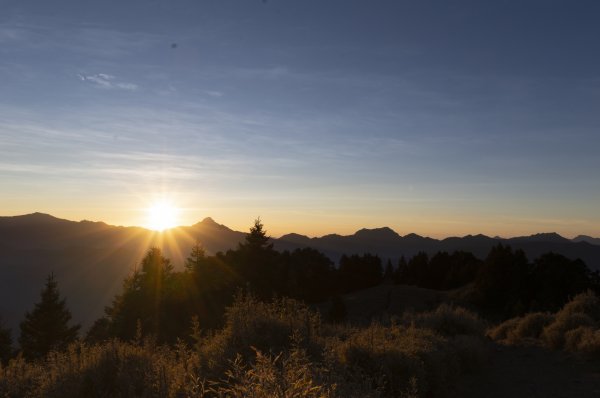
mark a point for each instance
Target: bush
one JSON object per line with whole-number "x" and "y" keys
{"x": 501, "y": 332}
{"x": 450, "y": 321}
{"x": 289, "y": 375}
{"x": 530, "y": 326}
{"x": 576, "y": 325}
{"x": 113, "y": 369}
{"x": 520, "y": 330}
{"x": 255, "y": 325}
{"x": 553, "y": 335}
{"x": 585, "y": 303}
{"x": 401, "y": 360}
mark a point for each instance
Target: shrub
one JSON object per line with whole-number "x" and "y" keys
{"x": 283, "y": 375}
{"x": 584, "y": 303}
{"x": 583, "y": 339}
{"x": 450, "y": 321}
{"x": 522, "y": 329}
{"x": 530, "y": 326}
{"x": 501, "y": 331}
{"x": 574, "y": 327}
{"x": 113, "y": 369}
{"x": 255, "y": 325}
{"x": 553, "y": 335}
{"x": 400, "y": 360}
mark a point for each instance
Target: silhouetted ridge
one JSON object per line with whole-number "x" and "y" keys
{"x": 587, "y": 239}
{"x": 544, "y": 237}
{"x": 295, "y": 238}
{"x": 33, "y": 218}
{"x": 478, "y": 236}
{"x": 413, "y": 236}
{"x": 377, "y": 233}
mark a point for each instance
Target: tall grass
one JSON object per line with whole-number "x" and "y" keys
{"x": 277, "y": 349}
{"x": 576, "y": 327}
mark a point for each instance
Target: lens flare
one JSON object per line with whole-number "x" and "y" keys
{"x": 162, "y": 215}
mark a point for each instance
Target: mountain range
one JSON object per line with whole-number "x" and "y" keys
{"x": 91, "y": 259}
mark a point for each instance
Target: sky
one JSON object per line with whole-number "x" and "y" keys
{"x": 320, "y": 116}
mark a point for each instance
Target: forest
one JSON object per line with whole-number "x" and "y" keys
{"x": 257, "y": 322}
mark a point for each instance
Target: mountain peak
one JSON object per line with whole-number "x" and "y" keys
{"x": 294, "y": 237}
{"x": 380, "y": 233}
{"x": 210, "y": 223}
{"x": 412, "y": 235}
{"x": 587, "y": 238}
{"x": 545, "y": 237}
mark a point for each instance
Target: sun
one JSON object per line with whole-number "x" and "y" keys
{"x": 162, "y": 215}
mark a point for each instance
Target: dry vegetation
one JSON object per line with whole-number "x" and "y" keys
{"x": 278, "y": 349}
{"x": 576, "y": 327}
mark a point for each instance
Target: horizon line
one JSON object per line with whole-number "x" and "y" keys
{"x": 304, "y": 235}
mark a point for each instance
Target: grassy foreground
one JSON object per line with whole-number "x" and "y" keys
{"x": 276, "y": 349}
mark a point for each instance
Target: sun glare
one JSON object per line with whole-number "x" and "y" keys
{"x": 162, "y": 215}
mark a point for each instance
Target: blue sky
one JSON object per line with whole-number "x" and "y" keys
{"x": 441, "y": 118}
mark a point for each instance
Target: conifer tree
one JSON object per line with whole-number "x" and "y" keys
{"x": 47, "y": 327}
{"x": 258, "y": 261}
{"x": 257, "y": 238}
{"x": 144, "y": 295}
{"x": 196, "y": 262}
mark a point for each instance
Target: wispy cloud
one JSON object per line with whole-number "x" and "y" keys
{"x": 103, "y": 80}
{"x": 214, "y": 93}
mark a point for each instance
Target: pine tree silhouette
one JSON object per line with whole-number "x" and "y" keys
{"x": 47, "y": 327}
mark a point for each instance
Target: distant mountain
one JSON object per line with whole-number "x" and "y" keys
{"x": 388, "y": 244}
{"x": 588, "y": 239}
{"x": 552, "y": 237}
{"x": 91, "y": 259}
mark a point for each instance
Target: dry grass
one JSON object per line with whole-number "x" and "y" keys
{"x": 583, "y": 339}
{"x": 277, "y": 349}
{"x": 113, "y": 369}
{"x": 553, "y": 335}
{"x": 523, "y": 329}
{"x": 576, "y": 327}
{"x": 585, "y": 303}
{"x": 401, "y": 360}
{"x": 450, "y": 321}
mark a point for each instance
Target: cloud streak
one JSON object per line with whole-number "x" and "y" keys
{"x": 106, "y": 81}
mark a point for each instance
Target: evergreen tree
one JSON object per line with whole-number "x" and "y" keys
{"x": 401, "y": 271}
{"x": 257, "y": 238}
{"x": 257, "y": 262}
{"x": 197, "y": 261}
{"x": 500, "y": 282}
{"x": 144, "y": 295}
{"x": 47, "y": 327}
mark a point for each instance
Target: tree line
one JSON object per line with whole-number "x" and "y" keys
{"x": 159, "y": 302}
